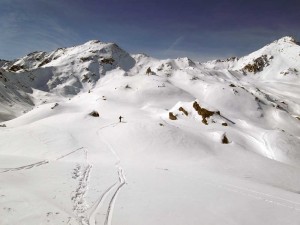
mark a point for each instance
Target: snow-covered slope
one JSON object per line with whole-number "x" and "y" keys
{"x": 199, "y": 143}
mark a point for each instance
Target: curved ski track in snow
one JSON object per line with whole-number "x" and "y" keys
{"x": 109, "y": 213}
{"x": 118, "y": 185}
{"x": 97, "y": 205}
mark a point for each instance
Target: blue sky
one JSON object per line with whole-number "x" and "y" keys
{"x": 197, "y": 29}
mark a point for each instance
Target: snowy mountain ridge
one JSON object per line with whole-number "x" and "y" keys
{"x": 119, "y": 138}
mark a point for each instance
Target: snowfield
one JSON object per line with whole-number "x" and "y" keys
{"x": 199, "y": 143}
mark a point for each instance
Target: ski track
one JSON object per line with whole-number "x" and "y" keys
{"x": 271, "y": 199}
{"x": 251, "y": 193}
{"x": 79, "y": 201}
{"x": 121, "y": 182}
{"x": 110, "y": 208}
{"x": 80, "y": 206}
{"x": 63, "y": 156}
{"x": 106, "y": 126}
{"x": 97, "y": 205}
{"x": 39, "y": 163}
{"x": 91, "y": 218}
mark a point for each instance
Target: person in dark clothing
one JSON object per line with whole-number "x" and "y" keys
{"x": 120, "y": 118}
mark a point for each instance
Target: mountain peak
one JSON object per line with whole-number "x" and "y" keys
{"x": 92, "y": 42}
{"x": 286, "y": 39}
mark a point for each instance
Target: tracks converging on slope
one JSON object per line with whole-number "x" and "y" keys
{"x": 122, "y": 182}
{"x": 85, "y": 214}
{"x": 105, "y": 203}
{"x": 113, "y": 190}
{"x": 97, "y": 205}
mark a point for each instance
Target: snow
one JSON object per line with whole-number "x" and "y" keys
{"x": 59, "y": 165}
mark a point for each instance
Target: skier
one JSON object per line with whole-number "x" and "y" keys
{"x": 120, "y": 118}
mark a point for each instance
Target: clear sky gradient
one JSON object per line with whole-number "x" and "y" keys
{"x": 197, "y": 29}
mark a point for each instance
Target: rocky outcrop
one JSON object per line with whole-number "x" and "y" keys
{"x": 85, "y": 59}
{"x": 181, "y": 109}
{"x": 108, "y": 61}
{"x": 230, "y": 59}
{"x": 148, "y": 71}
{"x": 257, "y": 65}
{"x": 225, "y": 139}
{"x": 172, "y": 116}
{"x": 46, "y": 61}
{"x": 94, "y": 114}
{"x": 203, "y": 112}
{"x": 15, "y": 68}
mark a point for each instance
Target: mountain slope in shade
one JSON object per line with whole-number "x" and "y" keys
{"x": 199, "y": 143}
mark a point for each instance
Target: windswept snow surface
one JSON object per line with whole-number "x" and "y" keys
{"x": 60, "y": 165}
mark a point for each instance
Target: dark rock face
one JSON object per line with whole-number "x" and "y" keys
{"x": 203, "y": 112}
{"x": 86, "y": 59}
{"x": 46, "y": 61}
{"x": 181, "y": 109}
{"x": 148, "y": 71}
{"x": 257, "y": 65}
{"x": 172, "y": 116}
{"x": 225, "y": 140}
{"x": 94, "y": 114}
{"x": 16, "y": 68}
{"x": 108, "y": 61}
